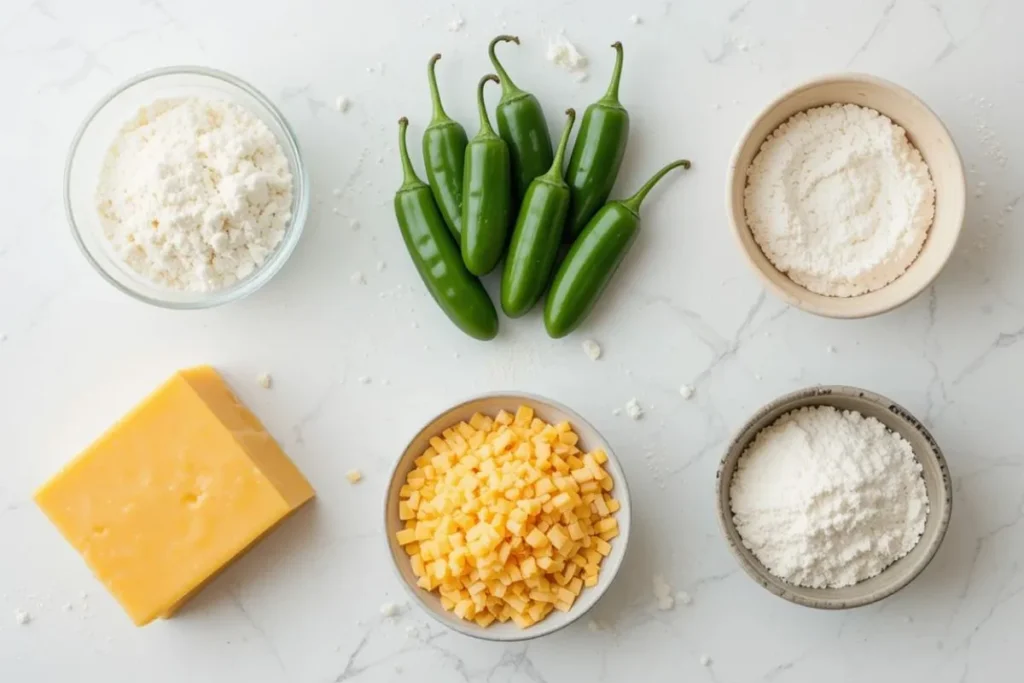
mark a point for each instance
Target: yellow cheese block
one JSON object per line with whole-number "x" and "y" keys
{"x": 183, "y": 484}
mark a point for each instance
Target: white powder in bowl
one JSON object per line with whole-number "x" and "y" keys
{"x": 826, "y": 498}
{"x": 839, "y": 200}
{"x": 194, "y": 194}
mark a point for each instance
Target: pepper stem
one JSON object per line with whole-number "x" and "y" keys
{"x": 612, "y": 94}
{"x": 485, "y": 123}
{"x": 409, "y": 177}
{"x": 634, "y": 202}
{"x": 556, "y": 165}
{"x": 435, "y": 96}
{"x": 507, "y": 86}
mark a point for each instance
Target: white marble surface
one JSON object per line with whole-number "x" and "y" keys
{"x": 304, "y": 606}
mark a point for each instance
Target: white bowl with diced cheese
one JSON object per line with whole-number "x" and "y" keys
{"x": 551, "y": 413}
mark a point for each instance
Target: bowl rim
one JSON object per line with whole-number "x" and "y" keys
{"x": 810, "y": 302}
{"x": 471, "y": 629}
{"x": 784, "y": 404}
{"x": 300, "y": 189}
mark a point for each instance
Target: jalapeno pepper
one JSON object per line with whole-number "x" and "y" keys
{"x": 597, "y": 154}
{"x": 594, "y": 258}
{"x": 537, "y": 235}
{"x": 521, "y": 124}
{"x": 485, "y": 194}
{"x": 444, "y": 152}
{"x": 437, "y": 257}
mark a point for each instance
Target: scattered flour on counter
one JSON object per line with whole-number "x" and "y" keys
{"x": 592, "y": 349}
{"x": 563, "y": 53}
{"x": 663, "y": 593}
{"x": 194, "y": 194}
{"x": 839, "y": 200}
{"x": 634, "y": 410}
{"x": 825, "y": 498}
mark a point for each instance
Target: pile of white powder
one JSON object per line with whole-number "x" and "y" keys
{"x": 825, "y": 498}
{"x": 839, "y": 200}
{"x": 194, "y": 195}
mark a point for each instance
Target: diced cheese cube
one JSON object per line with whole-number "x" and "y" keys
{"x": 406, "y": 536}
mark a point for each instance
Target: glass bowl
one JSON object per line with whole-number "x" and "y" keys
{"x": 90, "y": 146}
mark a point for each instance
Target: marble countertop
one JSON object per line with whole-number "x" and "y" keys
{"x": 303, "y": 607}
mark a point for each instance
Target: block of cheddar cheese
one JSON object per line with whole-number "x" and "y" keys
{"x": 183, "y": 484}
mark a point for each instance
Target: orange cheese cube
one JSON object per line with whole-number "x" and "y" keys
{"x": 182, "y": 485}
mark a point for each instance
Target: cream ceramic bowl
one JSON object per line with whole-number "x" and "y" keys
{"x": 490, "y": 404}
{"x": 936, "y": 481}
{"x": 924, "y": 130}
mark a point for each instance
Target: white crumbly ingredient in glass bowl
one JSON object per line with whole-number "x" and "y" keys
{"x": 825, "y": 498}
{"x": 194, "y": 194}
{"x": 839, "y": 200}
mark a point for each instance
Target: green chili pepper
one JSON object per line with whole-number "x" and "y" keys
{"x": 594, "y": 257}
{"x": 597, "y": 154}
{"x": 444, "y": 152}
{"x": 485, "y": 194}
{"x": 537, "y": 235}
{"x": 437, "y": 257}
{"x": 521, "y": 124}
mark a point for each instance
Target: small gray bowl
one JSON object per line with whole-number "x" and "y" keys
{"x": 936, "y": 480}
{"x": 551, "y": 412}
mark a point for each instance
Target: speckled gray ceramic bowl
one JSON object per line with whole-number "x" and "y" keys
{"x": 936, "y": 480}
{"x": 549, "y": 411}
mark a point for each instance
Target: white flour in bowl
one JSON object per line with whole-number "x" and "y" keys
{"x": 827, "y": 498}
{"x": 194, "y": 194}
{"x": 839, "y": 200}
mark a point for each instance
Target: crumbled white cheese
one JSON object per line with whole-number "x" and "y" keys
{"x": 411, "y": 630}
{"x": 336, "y": 211}
{"x": 705, "y": 660}
{"x": 358, "y": 278}
{"x": 336, "y": 192}
{"x": 342, "y": 103}
{"x": 582, "y": 77}
{"x": 68, "y": 607}
{"x": 385, "y": 382}
{"x": 686, "y": 391}
{"x": 592, "y": 349}
{"x": 264, "y": 380}
{"x": 194, "y": 194}
{"x": 456, "y": 24}
{"x": 354, "y": 224}
{"x": 830, "y": 348}
{"x": 633, "y": 409}
{"x": 563, "y": 53}
{"x": 389, "y": 609}
{"x": 364, "y": 380}
{"x": 635, "y": 19}
{"x": 663, "y": 593}
{"x": 22, "y": 617}
{"x": 616, "y": 411}
{"x": 354, "y": 476}
{"x": 381, "y": 265}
